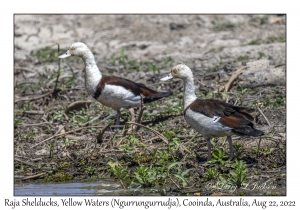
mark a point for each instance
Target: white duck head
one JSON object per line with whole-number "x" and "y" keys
{"x": 180, "y": 71}
{"x": 76, "y": 49}
{"x": 183, "y": 72}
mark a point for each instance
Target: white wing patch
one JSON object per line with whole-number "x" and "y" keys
{"x": 117, "y": 97}
{"x": 216, "y": 119}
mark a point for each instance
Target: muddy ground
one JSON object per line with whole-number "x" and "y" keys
{"x": 55, "y": 140}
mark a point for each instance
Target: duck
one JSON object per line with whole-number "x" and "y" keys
{"x": 210, "y": 117}
{"x": 112, "y": 91}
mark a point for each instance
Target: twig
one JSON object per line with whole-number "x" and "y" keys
{"x": 109, "y": 116}
{"x": 33, "y": 98}
{"x": 33, "y": 112}
{"x": 152, "y": 139}
{"x": 192, "y": 138}
{"x": 62, "y": 134}
{"x": 174, "y": 182}
{"x": 99, "y": 137}
{"x": 75, "y": 137}
{"x": 258, "y": 147}
{"x": 118, "y": 144}
{"x": 264, "y": 116}
{"x": 92, "y": 120}
{"x": 58, "y": 71}
{"x": 36, "y": 124}
{"x": 274, "y": 171}
{"x": 142, "y": 108}
{"x": 154, "y": 131}
{"x": 60, "y": 129}
{"x": 36, "y": 159}
{"x": 34, "y": 176}
{"x": 122, "y": 184}
{"x": 77, "y": 105}
{"x": 66, "y": 116}
{"x": 233, "y": 77}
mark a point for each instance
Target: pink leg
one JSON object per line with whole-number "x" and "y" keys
{"x": 118, "y": 117}
{"x": 132, "y": 114}
{"x": 229, "y": 139}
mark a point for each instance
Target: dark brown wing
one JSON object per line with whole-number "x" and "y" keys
{"x": 135, "y": 88}
{"x": 235, "y": 117}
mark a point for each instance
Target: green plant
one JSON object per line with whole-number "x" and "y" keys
{"x": 90, "y": 170}
{"x": 151, "y": 66}
{"x": 269, "y": 39}
{"x": 59, "y": 177}
{"x": 261, "y": 54}
{"x": 57, "y": 116}
{"x": 69, "y": 142}
{"x": 225, "y": 95}
{"x": 78, "y": 117}
{"x": 121, "y": 173}
{"x": 243, "y": 90}
{"x": 243, "y": 58}
{"x": 126, "y": 148}
{"x": 256, "y": 42}
{"x": 82, "y": 162}
{"x": 265, "y": 151}
{"x": 25, "y": 107}
{"x": 51, "y": 148}
{"x": 22, "y": 167}
{"x": 213, "y": 69}
{"x": 218, "y": 155}
{"x": 275, "y": 103}
{"x": 179, "y": 175}
{"x": 266, "y": 101}
{"x": 263, "y": 20}
{"x": 145, "y": 176}
{"x": 239, "y": 149}
{"x": 29, "y": 86}
{"x": 169, "y": 134}
{"x": 134, "y": 140}
{"x": 150, "y": 176}
{"x": 46, "y": 54}
{"x": 222, "y": 26}
{"x": 173, "y": 106}
{"x": 278, "y": 102}
{"x": 133, "y": 65}
{"x": 162, "y": 157}
{"x": 238, "y": 174}
{"x": 29, "y": 135}
{"x": 211, "y": 174}
{"x": 16, "y": 122}
{"x": 173, "y": 143}
{"x": 272, "y": 39}
{"x": 71, "y": 82}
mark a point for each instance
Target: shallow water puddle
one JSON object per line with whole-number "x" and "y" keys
{"x": 107, "y": 187}
{"x": 99, "y": 187}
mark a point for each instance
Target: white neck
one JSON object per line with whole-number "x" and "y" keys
{"x": 92, "y": 73}
{"x": 189, "y": 91}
